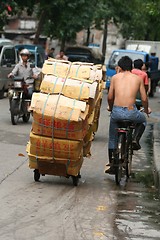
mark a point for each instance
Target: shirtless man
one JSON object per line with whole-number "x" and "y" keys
{"x": 121, "y": 102}
{"x": 61, "y": 56}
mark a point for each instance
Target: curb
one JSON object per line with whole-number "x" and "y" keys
{"x": 156, "y": 152}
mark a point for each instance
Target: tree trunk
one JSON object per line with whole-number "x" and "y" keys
{"x": 105, "y": 32}
{"x": 88, "y": 36}
{"x": 63, "y": 42}
{"x": 40, "y": 27}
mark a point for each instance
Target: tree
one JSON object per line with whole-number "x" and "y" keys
{"x": 62, "y": 19}
{"x": 139, "y": 19}
{"x": 67, "y": 18}
{"x": 7, "y": 9}
{"x": 105, "y": 12}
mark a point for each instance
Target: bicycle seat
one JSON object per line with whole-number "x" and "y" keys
{"x": 125, "y": 123}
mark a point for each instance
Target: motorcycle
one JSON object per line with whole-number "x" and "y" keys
{"x": 19, "y": 100}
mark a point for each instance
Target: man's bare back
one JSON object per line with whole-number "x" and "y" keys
{"x": 124, "y": 88}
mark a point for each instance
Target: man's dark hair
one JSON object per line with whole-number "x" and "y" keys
{"x": 125, "y": 63}
{"x": 138, "y": 63}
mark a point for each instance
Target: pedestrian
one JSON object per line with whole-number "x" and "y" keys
{"x": 121, "y": 102}
{"x": 61, "y": 55}
{"x": 51, "y": 52}
{"x": 145, "y": 68}
{"x": 138, "y": 63}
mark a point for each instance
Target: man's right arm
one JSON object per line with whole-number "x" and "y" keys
{"x": 14, "y": 71}
{"x": 111, "y": 95}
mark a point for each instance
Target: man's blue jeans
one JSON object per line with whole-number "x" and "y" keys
{"x": 121, "y": 113}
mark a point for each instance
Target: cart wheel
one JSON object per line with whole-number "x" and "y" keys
{"x": 75, "y": 180}
{"x": 36, "y": 175}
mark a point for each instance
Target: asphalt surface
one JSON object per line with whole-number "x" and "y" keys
{"x": 154, "y": 103}
{"x": 96, "y": 209}
{"x": 157, "y": 152}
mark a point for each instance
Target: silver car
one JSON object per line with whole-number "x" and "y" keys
{"x": 8, "y": 59}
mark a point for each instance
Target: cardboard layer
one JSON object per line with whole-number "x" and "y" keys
{"x": 53, "y": 104}
{"x": 79, "y": 70}
{"x": 95, "y": 126}
{"x": 41, "y": 146}
{"x": 72, "y": 88}
{"x": 62, "y": 119}
{"x": 59, "y": 128}
{"x": 56, "y": 67}
{"x": 87, "y": 149}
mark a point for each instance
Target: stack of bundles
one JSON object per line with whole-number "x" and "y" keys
{"x": 37, "y": 82}
{"x": 81, "y": 75}
{"x": 97, "y": 107}
{"x": 58, "y": 128}
{"x": 63, "y": 115}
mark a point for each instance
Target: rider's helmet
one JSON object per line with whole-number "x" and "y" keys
{"x": 25, "y": 52}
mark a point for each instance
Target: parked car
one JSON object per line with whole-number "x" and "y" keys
{"x": 8, "y": 59}
{"x": 83, "y": 54}
{"x": 37, "y": 56}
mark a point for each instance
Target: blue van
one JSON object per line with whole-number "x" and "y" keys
{"x": 37, "y": 56}
{"x": 116, "y": 55}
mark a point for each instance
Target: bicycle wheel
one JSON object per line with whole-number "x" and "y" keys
{"x": 129, "y": 161}
{"x": 119, "y": 158}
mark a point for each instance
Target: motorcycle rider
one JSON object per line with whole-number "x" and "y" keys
{"x": 23, "y": 69}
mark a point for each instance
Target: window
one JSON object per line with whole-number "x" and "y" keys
{"x": 117, "y": 55}
{"x": 8, "y": 56}
{"x": 40, "y": 60}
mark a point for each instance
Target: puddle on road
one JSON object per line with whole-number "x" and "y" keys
{"x": 138, "y": 209}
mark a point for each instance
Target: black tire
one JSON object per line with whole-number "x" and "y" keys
{"x": 118, "y": 158}
{"x": 14, "y": 108}
{"x": 26, "y": 117}
{"x": 36, "y": 175}
{"x": 129, "y": 161}
{"x": 2, "y": 93}
{"x": 75, "y": 180}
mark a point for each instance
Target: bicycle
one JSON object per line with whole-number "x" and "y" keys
{"x": 124, "y": 151}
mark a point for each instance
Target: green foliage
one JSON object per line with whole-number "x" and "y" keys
{"x": 7, "y": 9}
{"x": 63, "y": 18}
{"x": 141, "y": 20}
{"x": 69, "y": 17}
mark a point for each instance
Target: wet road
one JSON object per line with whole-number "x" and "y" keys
{"x": 95, "y": 210}
{"x": 138, "y": 201}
